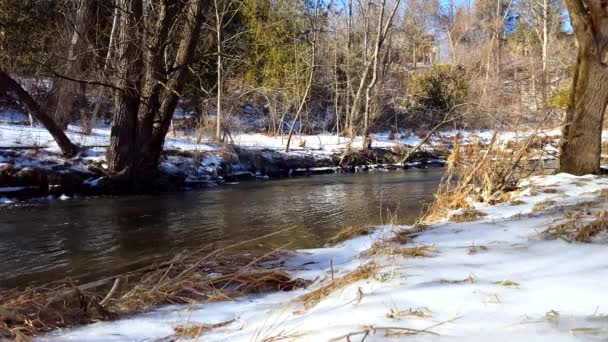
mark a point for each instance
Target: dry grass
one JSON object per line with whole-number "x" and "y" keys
{"x": 415, "y": 252}
{"x": 362, "y": 272}
{"x": 540, "y": 206}
{"x": 467, "y": 215}
{"x": 484, "y": 173}
{"x": 580, "y": 226}
{"x": 186, "y": 279}
{"x": 388, "y": 247}
{"x": 350, "y": 232}
{"x": 410, "y": 313}
{"x": 600, "y": 224}
{"x": 551, "y": 191}
{"x": 196, "y": 330}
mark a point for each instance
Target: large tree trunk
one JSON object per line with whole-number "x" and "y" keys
{"x": 121, "y": 152}
{"x": 581, "y": 137}
{"x": 581, "y": 144}
{"x": 10, "y": 86}
{"x": 155, "y": 74}
{"x": 189, "y": 36}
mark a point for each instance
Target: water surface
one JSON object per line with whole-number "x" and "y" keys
{"x": 92, "y": 236}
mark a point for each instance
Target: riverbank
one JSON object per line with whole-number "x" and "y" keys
{"x": 530, "y": 268}
{"x": 32, "y": 167}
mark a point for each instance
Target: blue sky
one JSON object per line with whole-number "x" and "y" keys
{"x": 567, "y": 25}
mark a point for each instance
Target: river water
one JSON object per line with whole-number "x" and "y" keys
{"x": 89, "y": 237}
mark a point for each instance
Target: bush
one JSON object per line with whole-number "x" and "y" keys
{"x": 436, "y": 92}
{"x": 561, "y": 97}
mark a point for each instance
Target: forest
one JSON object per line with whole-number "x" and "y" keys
{"x": 281, "y": 68}
{"x": 303, "y": 170}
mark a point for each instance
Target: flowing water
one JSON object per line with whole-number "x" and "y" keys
{"x": 88, "y": 237}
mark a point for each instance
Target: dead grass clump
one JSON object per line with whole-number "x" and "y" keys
{"x": 405, "y": 236}
{"x": 362, "y": 272}
{"x": 578, "y": 227}
{"x": 467, "y": 215}
{"x": 602, "y": 194}
{"x": 540, "y": 206}
{"x": 416, "y": 252}
{"x": 228, "y": 154}
{"x": 600, "y": 224}
{"x": 186, "y": 279}
{"x": 551, "y": 191}
{"x": 196, "y": 330}
{"x": 348, "y": 233}
{"x": 517, "y": 202}
{"x": 480, "y": 172}
{"x": 387, "y": 247}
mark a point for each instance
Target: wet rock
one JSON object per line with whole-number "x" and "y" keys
{"x": 66, "y": 183}
{"x": 6, "y": 167}
{"x": 31, "y": 177}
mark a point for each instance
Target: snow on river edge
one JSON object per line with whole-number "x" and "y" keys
{"x": 493, "y": 279}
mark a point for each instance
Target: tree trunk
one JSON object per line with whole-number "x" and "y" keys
{"x": 10, "y": 86}
{"x": 305, "y": 97}
{"x": 544, "y": 52}
{"x": 154, "y": 72}
{"x": 100, "y": 93}
{"x": 120, "y": 153}
{"x": 188, "y": 41}
{"x": 72, "y": 96}
{"x": 581, "y": 144}
{"x": 581, "y": 136}
{"x": 218, "y": 30}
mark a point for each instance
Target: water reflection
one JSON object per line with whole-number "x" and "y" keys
{"x": 79, "y": 237}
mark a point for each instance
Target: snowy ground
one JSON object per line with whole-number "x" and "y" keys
{"x": 13, "y": 134}
{"x": 493, "y": 279}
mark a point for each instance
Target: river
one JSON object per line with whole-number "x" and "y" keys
{"x": 89, "y": 237}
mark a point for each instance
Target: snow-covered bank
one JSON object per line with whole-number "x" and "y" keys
{"x": 498, "y": 278}
{"x": 30, "y": 159}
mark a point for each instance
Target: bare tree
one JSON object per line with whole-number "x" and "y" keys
{"x": 371, "y": 63}
{"x": 9, "y": 86}
{"x": 151, "y": 74}
{"x": 312, "y": 68}
{"x": 71, "y": 96}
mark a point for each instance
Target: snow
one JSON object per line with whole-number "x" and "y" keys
{"x": 492, "y": 279}
{"x": 322, "y": 145}
{"x": 4, "y": 200}
{"x": 12, "y": 116}
{"x": 12, "y": 188}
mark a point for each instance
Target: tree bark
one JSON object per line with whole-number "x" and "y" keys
{"x": 121, "y": 152}
{"x": 72, "y": 96}
{"x": 106, "y": 63}
{"x": 189, "y": 37}
{"x": 219, "y": 18}
{"x": 10, "y": 86}
{"x": 581, "y": 137}
{"x": 581, "y": 145}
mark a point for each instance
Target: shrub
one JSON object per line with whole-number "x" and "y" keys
{"x": 561, "y": 97}
{"x": 436, "y": 92}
